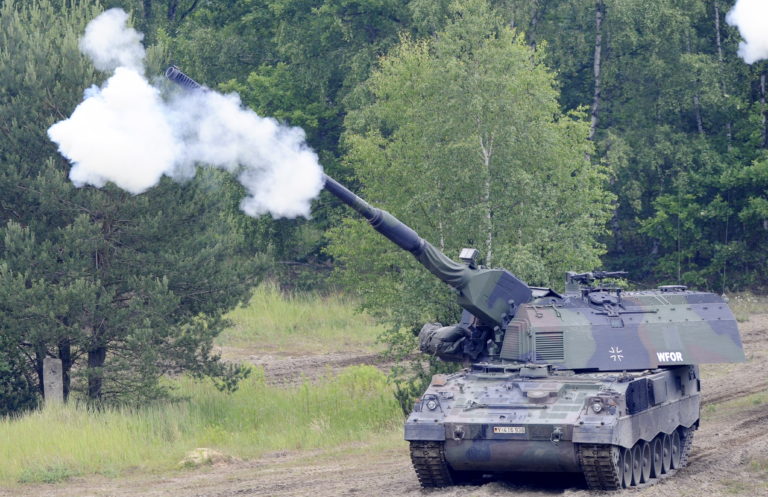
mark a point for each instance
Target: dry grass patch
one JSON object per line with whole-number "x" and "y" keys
{"x": 300, "y": 324}
{"x": 746, "y": 304}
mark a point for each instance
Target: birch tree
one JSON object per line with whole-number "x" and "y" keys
{"x": 461, "y": 137}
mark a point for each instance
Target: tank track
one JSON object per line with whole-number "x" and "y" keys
{"x": 687, "y": 446}
{"x": 428, "y": 460}
{"x": 600, "y": 464}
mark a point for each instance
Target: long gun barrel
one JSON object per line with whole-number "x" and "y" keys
{"x": 174, "y": 74}
{"x": 451, "y": 272}
{"x": 382, "y": 221}
{"x": 490, "y": 294}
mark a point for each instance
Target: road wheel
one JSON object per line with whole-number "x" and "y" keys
{"x": 626, "y": 467}
{"x": 645, "y": 461}
{"x": 677, "y": 449}
{"x": 637, "y": 463}
{"x": 666, "y": 450}
{"x": 657, "y": 455}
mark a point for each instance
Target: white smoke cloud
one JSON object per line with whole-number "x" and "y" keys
{"x": 110, "y": 43}
{"x": 125, "y": 132}
{"x": 119, "y": 134}
{"x": 751, "y": 17}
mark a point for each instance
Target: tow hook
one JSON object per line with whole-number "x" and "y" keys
{"x": 458, "y": 433}
{"x": 557, "y": 435}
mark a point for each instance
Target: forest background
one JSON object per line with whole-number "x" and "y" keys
{"x": 623, "y": 134}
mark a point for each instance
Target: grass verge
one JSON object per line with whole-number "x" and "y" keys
{"x": 300, "y": 324}
{"x": 745, "y": 304}
{"x": 754, "y": 400}
{"x": 63, "y": 441}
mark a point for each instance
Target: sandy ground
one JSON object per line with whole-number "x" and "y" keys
{"x": 286, "y": 370}
{"x": 729, "y": 456}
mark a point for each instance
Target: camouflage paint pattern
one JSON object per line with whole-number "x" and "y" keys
{"x": 496, "y": 420}
{"x": 552, "y": 372}
{"x": 648, "y": 329}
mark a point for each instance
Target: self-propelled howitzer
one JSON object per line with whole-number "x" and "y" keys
{"x": 596, "y": 380}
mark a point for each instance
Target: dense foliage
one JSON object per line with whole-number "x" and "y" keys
{"x": 462, "y": 137}
{"x": 680, "y": 120}
{"x": 644, "y": 148}
{"x": 676, "y": 116}
{"x": 121, "y": 288}
{"x": 18, "y": 391}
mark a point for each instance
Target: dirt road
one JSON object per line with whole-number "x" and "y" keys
{"x": 729, "y": 457}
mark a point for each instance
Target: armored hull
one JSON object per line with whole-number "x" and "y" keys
{"x": 491, "y": 420}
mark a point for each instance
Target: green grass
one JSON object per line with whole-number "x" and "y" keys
{"x": 739, "y": 404}
{"x": 299, "y": 324}
{"x": 754, "y": 400}
{"x": 736, "y": 487}
{"x": 357, "y": 405}
{"x": 759, "y": 466}
{"x": 745, "y": 304}
{"x": 59, "y": 442}
{"x": 755, "y": 484}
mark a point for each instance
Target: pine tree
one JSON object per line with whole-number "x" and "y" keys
{"x": 121, "y": 288}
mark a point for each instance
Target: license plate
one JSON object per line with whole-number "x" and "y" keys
{"x": 509, "y": 429}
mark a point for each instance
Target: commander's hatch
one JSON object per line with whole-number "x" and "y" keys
{"x": 541, "y": 292}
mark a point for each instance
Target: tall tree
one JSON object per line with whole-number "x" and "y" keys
{"x": 153, "y": 15}
{"x": 461, "y": 137}
{"x": 599, "y": 12}
{"x": 295, "y": 61}
{"x": 677, "y": 127}
{"x": 122, "y": 288}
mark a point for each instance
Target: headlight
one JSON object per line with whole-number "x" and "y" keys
{"x": 431, "y": 404}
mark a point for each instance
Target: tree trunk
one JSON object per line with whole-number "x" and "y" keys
{"x": 65, "y": 354}
{"x": 725, "y": 259}
{"x": 172, "y": 6}
{"x": 40, "y": 354}
{"x": 96, "y": 358}
{"x": 720, "y": 60}
{"x": 532, "y": 24}
{"x": 717, "y": 33}
{"x": 440, "y": 227}
{"x": 616, "y": 229}
{"x": 174, "y": 16}
{"x": 696, "y": 98}
{"x": 147, "y": 8}
{"x": 697, "y": 111}
{"x": 487, "y": 150}
{"x": 599, "y": 7}
{"x": 763, "y": 131}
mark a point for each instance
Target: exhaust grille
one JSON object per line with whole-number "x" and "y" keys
{"x": 550, "y": 346}
{"x": 510, "y": 349}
